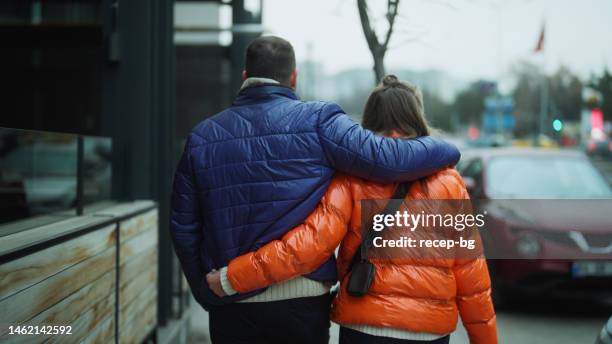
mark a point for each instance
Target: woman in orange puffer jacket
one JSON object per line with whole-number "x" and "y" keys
{"x": 410, "y": 301}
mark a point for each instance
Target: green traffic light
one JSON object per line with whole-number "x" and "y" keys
{"x": 557, "y": 125}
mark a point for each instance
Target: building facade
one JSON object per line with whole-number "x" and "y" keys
{"x": 132, "y": 76}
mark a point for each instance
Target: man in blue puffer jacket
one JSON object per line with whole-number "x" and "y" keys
{"x": 254, "y": 171}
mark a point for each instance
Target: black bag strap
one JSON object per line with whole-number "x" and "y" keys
{"x": 400, "y": 194}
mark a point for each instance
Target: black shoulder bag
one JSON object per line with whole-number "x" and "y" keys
{"x": 362, "y": 271}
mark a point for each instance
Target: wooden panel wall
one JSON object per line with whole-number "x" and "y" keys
{"x": 75, "y": 283}
{"x": 71, "y": 283}
{"x": 137, "y": 277}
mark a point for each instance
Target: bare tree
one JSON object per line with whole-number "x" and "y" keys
{"x": 378, "y": 48}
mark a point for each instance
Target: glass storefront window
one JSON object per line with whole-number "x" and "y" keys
{"x": 39, "y": 12}
{"x": 39, "y": 176}
{"x": 97, "y": 172}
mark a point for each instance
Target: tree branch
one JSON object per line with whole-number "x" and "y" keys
{"x": 368, "y": 32}
{"x": 392, "y": 7}
{"x": 377, "y": 48}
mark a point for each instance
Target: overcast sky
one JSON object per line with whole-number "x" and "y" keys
{"x": 467, "y": 38}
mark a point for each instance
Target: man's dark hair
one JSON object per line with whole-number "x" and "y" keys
{"x": 270, "y": 57}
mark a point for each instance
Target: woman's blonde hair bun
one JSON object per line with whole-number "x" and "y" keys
{"x": 390, "y": 80}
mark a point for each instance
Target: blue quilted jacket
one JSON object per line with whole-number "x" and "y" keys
{"x": 254, "y": 171}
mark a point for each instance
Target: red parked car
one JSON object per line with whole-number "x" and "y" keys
{"x": 549, "y": 226}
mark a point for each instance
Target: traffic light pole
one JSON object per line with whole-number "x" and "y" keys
{"x": 543, "y": 110}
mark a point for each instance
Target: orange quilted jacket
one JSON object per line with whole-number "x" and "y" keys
{"x": 417, "y": 295}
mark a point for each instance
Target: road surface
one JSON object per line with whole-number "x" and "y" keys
{"x": 548, "y": 322}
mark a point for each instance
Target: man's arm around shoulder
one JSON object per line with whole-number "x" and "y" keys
{"x": 357, "y": 151}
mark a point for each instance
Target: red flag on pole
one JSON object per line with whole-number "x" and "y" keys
{"x": 540, "y": 46}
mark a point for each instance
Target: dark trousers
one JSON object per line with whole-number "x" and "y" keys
{"x": 349, "y": 336}
{"x": 303, "y": 320}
